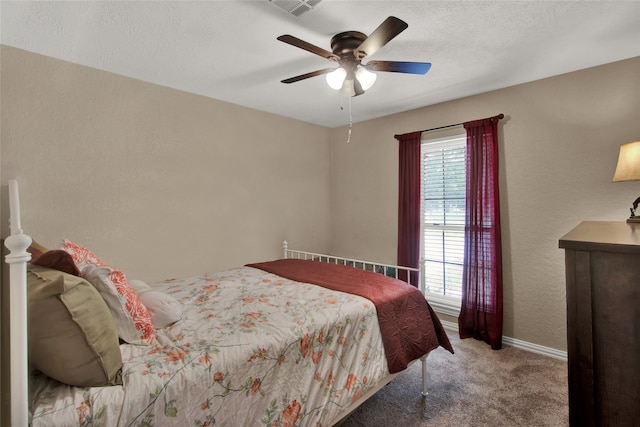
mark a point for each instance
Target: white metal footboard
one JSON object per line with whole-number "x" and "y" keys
{"x": 386, "y": 269}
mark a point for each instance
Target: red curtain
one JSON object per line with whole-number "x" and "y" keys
{"x": 409, "y": 204}
{"x": 481, "y": 312}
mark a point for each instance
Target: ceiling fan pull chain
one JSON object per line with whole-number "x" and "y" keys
{"x": 350, "y": 122}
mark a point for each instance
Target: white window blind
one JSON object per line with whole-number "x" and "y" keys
{"x": 443, "y": 215}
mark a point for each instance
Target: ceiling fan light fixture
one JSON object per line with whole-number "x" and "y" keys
{"x": 340, "y": 79}
{"x": 365, "y": 77}
{"x": 335, "y": 79}
{"x": 347, "y": 88}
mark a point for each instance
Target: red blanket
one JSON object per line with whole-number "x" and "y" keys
{"x": 409, "y": 327}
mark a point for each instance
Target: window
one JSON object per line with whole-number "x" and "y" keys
{"x": 443, "y": 217}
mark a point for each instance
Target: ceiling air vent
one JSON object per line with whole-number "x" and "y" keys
{"x": 296, "y": 7}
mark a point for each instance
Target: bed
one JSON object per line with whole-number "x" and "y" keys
{"x": 297, "y": 341}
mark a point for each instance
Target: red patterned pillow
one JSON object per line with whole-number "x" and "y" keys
{"x": 81, "y": 255}
{"x": 132, "y": 318}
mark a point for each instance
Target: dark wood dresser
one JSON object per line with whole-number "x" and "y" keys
{"x": 603, "y": 323}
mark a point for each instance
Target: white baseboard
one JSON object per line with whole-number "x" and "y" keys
{"x": 523, "y": 345}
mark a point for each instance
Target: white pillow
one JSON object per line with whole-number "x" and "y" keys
{"x": 132, "y": 319}
{"x": 165, "y": 310}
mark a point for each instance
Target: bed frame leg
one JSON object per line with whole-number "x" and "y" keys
{"x": 423, "y": 359}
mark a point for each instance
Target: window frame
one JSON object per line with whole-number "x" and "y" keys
{"x": 446, "y": 304}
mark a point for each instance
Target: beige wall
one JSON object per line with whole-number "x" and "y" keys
{"x": 158, "y": 182}
{"x": 559, "y": 146}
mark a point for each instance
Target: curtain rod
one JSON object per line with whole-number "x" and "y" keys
{"x": 499, "y": 116}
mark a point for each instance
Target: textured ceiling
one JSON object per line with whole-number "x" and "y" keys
{"x": 228, "y": 49}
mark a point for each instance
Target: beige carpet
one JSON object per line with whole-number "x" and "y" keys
{"x": 476, "y": 386}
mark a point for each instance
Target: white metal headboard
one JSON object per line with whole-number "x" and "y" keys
{"x": 17, "y": 243}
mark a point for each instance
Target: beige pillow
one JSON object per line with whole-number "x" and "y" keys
{"x": 72, "y": 336}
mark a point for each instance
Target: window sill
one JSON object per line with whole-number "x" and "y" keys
{"x": 443, "y": 304}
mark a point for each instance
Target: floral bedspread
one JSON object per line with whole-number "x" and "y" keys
{"x": 252, "y": 349}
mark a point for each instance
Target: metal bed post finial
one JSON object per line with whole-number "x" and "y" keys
{"x": 285, "y": 246}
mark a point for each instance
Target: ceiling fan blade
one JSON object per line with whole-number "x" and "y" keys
{"x": 390, "y": 28}
{"x": 294, "y": 41}
{"x": 307, "y": 75}
{"x": 399, "y": 67}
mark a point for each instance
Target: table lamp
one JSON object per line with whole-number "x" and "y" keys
{"x": 628, "y": 169}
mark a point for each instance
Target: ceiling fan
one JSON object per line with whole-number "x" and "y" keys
{"x": 349, "y": 48}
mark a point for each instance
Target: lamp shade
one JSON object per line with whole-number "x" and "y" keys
{"x": 348, "y": 88}
{"x": 365, "y": 77}
{"x": 335, "y": 79}
{"x": 628, "y": 168}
